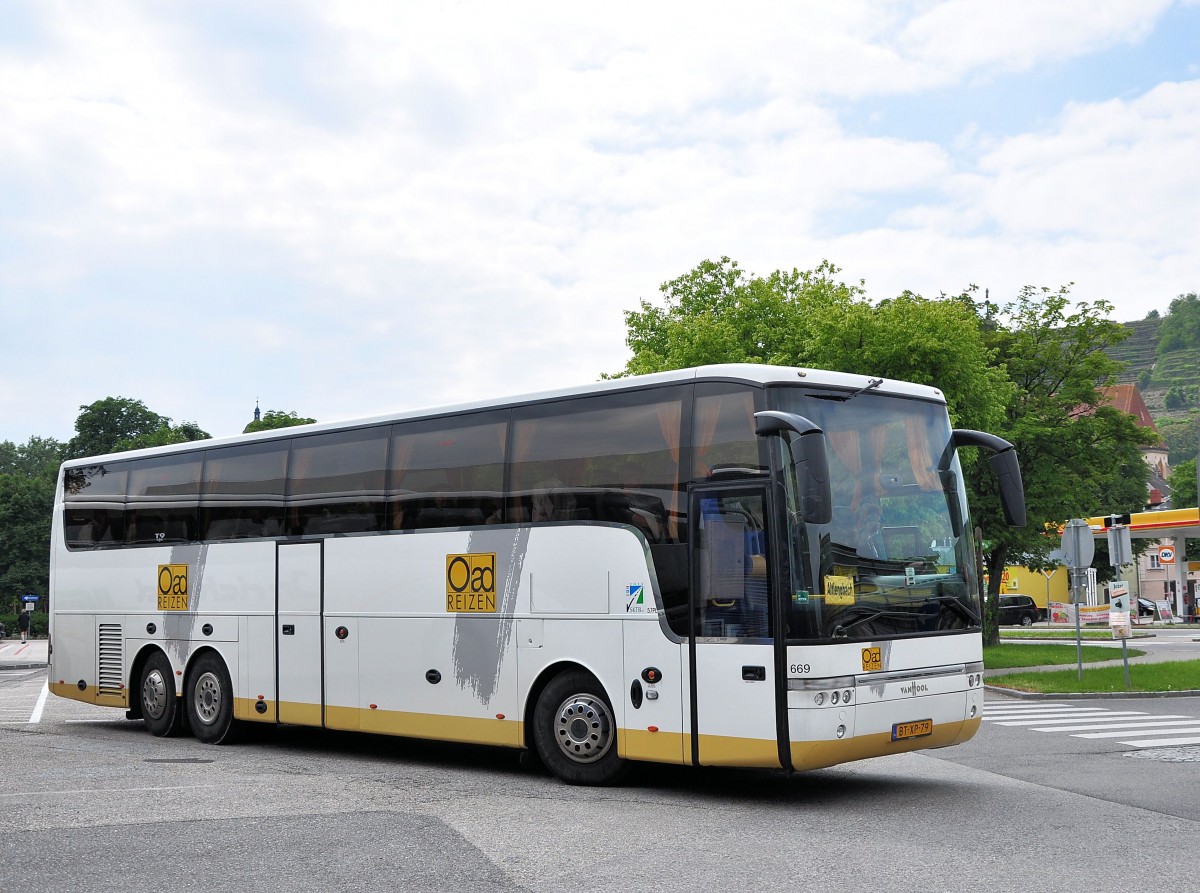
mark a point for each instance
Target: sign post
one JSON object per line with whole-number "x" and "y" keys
{"x": 1078, "y": 549}
{"x": 1118, "y": 620}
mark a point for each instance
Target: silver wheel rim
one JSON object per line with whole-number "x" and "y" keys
{"x": 583, "y": 728}
{"x": 154, "y": 694}
{"x": 207, "y": 699}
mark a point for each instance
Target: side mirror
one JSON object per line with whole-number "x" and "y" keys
{"x": 1005, "y": 465}
{"x": 809, "y": 458}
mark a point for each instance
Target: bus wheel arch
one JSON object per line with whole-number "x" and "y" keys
{"x": 208, "y": 698}
{"x": 571, "y": 725}
{"x": 156, "y": 694}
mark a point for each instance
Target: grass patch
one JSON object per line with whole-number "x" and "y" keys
{"x": 1180, "y": 675}
{"x": 1103, "y": 635}
{"x": 1003, "y": 657}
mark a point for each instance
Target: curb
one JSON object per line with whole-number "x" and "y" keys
{"x": 1088, "y": 695}
{"x": 24, "y": 666}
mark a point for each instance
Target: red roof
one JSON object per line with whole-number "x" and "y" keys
{"x": 1127, "y": 398}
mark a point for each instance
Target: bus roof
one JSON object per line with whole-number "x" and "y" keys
{"x": 750, "y": 373}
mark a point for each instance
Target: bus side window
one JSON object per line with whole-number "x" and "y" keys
{"x": 163, "y": 499}
{"x": 241, "y": 495}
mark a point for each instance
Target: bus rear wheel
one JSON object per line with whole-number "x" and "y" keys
{"x": 156, "y": 696}
{"x": 208, "y": 697}
{"x": 574, "y": 731}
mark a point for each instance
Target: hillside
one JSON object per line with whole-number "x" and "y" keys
{"x": 1154, "y": 376}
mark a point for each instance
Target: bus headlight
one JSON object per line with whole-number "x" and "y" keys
{"x": 819, "y": 698}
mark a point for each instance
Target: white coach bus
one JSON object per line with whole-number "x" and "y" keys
{"x": 732, "y": 565}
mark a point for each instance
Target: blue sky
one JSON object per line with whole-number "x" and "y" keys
{"x": 353, "y": 208}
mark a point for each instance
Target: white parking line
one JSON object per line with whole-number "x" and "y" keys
{"x": 1121, "y": 723}
{"x": 1055, "y": 718}
{"x": 1187, "y": 729}
{"x": 1161, "y": 742}
{"x": 36, "y": 716}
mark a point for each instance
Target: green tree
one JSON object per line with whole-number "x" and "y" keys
{"x": 1182, "y": 436}
{"x": 1182, "y": 486}
{"x": 1180, "y": 328}
{"x": 164, "y": 434}
{"x": 274, "y": 418}
{"x": 1176, "y": 398}
{"x": 103, "y": 425}
{"x": 31, "y": 458}
{"x": 717, "y": 313}
{"x": 116, "y": 424}
{"x": 27, "y": 477}
{"x": 1079, "y": 456}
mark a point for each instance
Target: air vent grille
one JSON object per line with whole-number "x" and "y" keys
{"x": 112, "y": 659}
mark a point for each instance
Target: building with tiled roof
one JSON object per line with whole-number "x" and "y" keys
{"x": 1127, "y": 398}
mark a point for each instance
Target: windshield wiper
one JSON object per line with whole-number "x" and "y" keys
{"x": 958, "y": 607}
{"x": 873, "y": 383}
{"x": 842, "y": 628}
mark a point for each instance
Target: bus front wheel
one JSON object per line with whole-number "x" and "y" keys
{"x": 156, "y": 694}
{"x": 209, "y": 699}
{"x": 574, "y": 731}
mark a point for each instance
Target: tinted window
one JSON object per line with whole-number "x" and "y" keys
{"x": 242, "y": 491}
{"x": 731, "y": 565}
{"x": 337, "y": 482}
{"x": 96, "y": 483}
{"x": 612, "y": 457}
{"x": 723, "y": 440}
{"x": 94, "y": 514}
{"x": 447, "y": 472}
{"x": 86, "y": 527}
{"x": 162, "y": 499}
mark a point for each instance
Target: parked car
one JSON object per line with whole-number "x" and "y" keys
{"x": 1017, "y": 609}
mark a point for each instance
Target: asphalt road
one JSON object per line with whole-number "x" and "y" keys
{"x": 89, "y": 801}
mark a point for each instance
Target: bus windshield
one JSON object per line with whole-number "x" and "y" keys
{"x": 897, "y": 557}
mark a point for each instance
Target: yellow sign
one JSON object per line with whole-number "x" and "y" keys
{"x": 471, "y": 583}
{"x": 872, "y": 660}
{"x": 172, "y": 587}
{"x": 839, "y": 590}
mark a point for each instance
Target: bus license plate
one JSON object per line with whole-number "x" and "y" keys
{"x": 917, "y": 729}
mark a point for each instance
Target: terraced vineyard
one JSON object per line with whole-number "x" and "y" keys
{"x": 1155, "y": 376}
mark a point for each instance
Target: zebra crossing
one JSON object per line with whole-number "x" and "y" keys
{"x": 1133, "y": 728}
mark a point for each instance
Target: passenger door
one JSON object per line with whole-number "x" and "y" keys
{"x": 734, "y": 704}
{"x": 298, "y": 632}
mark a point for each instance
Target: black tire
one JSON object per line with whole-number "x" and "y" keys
{"x": 1026, "y": 620}
{"x": 574, "y": 731}
{"x": 208, "y": 699}
{"x": 157, "y": 697}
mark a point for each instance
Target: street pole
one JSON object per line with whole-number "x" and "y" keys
{"x": 1078, "y": 549}
{"x": 1075, "y": 593}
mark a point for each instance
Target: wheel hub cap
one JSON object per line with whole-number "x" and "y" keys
{"x": 208, "y": 698}
{"x": 584, "y": 728}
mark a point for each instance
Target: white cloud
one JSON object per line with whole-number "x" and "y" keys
{"x": 369, "y": 206}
